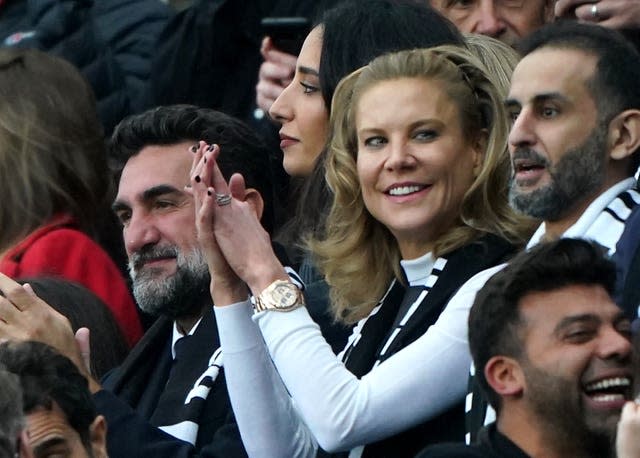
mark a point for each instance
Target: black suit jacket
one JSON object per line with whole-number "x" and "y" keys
{"x": 132, "y": 391}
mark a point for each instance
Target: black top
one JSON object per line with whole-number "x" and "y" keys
{"x": 491, "y": 444}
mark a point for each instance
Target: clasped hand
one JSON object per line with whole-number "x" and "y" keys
{"x": 236, "y": 246}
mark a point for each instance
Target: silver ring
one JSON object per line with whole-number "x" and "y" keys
{"x": 223, "y": 199}
{"x": 594, "y": 11}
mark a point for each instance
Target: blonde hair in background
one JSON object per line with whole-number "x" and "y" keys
{"x": 358, "y": 255}
{"x": 52, "y": 152}
{"x": 498, "y": 58}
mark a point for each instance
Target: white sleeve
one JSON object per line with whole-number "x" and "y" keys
{"x": 268, "y": 421}
{"x": 412, "y": 386}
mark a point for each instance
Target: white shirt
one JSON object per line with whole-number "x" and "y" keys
{"x": 332, "y": 406}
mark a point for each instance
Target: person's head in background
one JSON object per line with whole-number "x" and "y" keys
{"x": 13, "y": 433}
{"x": 151, "y": 157}
{"x": 552, "y": 349}
{"x": 422, "y": 128}
{"x": 507, "y": 20}
{"x": 346, "y": 37}
{"x": 52, "y": 152}
{"x": 84, "y": 309}
{"x": 60, "y": 415}
{"x": 575, "y": 106}
{"x": 498, "y": 58}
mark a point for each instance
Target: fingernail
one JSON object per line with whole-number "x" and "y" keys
{"x": 194, "y": 149}
{"x": 208, "y": 192}
{"x": 210, "y": 148}
{"x": 205, "y": 160}
{"x": 197, "y": 178}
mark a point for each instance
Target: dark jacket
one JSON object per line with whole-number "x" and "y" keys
{"x": 133, "y": 390}
{"x": 110, "y": 41}
{"x": 627, "y": 259}
{"x": 491, "y": 444}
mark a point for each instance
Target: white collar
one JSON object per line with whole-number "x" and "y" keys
{"x": 177, "y": 335}
{"x": 592, "y": 212}
{"x": 418, "y": 270}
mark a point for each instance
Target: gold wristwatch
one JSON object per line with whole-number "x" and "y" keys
{"x": 281, "y": 296}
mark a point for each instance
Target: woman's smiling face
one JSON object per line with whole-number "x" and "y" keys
{"x": 414, "y": 163}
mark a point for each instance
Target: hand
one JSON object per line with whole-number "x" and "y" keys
{"x": 24, "y": 316}
{"x": 225, "y": 287}
{"x": 276, "y": 73}
{"x": 628, "y": 437}
{"x": 615, "y": 14}
{"x": 232, "y": 234}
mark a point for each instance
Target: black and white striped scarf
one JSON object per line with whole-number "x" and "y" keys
{"x": 375, "y": 324}
{"x": 184, "y": 424}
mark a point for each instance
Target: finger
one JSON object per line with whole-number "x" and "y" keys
{"x": 276, "y": 56}
{"x": 615, "y": 19}
{"x": 197, "y": 151}
{"x": 208, "y": 162}
{"x": 83, "y": 339}
{"x": 217, "y": 180}
{"x": 584, "y": 12}
{"x": 566, "y": 8}
{"x": 269, "y": 90}
{"x": 265, "y": 46}
{"x": 237, "y": 186}
{"x": 16, "y": 294}
{"x": 196, "y": 172}
{"x": 27, "y": 287}
{"x": 276, "y": 71}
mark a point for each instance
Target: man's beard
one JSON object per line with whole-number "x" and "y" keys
{"x": 562, "y": 417}
{"x": 579, "y": 173}
{"x": 180, "y": 295}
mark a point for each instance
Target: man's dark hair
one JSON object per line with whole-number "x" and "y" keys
{"x": 614, "y": 86}
{"x": 47, "y": 377}
{"x": 11, "y": 416}
{"x": 241, "y": 150}
{"x": 357, "y": 31}
{"x": 495, "y": 320}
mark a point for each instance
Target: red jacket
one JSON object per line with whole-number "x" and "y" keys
{"x": 61, "y": 249}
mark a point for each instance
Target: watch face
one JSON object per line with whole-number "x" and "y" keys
{"x": 285, "y": 296}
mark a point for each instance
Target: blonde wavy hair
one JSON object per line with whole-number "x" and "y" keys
{"x": 358, "y": 254}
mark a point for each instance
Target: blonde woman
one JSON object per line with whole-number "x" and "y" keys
{"x": 419, "y": 171}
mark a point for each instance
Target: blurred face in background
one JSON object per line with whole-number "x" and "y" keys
{"x": 506, "y": 20}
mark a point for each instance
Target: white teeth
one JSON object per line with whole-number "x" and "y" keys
{"x": 404, "y": 190}
{"x": 607, "y": 397}
{"x": 609, "y": 383}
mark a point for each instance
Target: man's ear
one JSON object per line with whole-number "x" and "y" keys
{"x": 98, "y": 435}
{"x": 624, "y": 134}
{"x": 504, "y": 375}
{"x": 24, "y": 450}
{"x": 254, "y": 198}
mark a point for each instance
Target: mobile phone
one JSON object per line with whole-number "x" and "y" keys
{"x": 287, "y": 33}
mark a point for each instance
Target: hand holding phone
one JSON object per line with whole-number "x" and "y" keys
{"x": 287, "y": 33}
